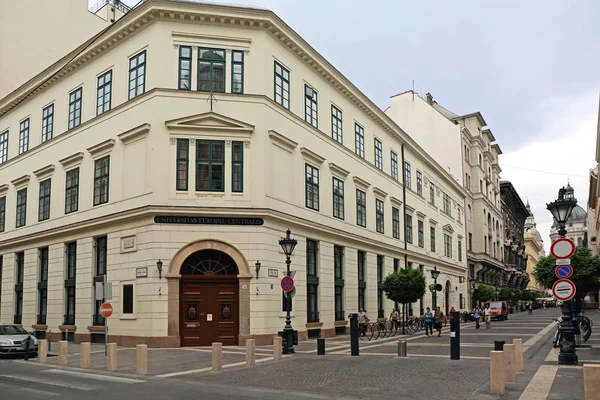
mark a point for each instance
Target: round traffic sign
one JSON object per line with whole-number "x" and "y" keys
{"x": 564, "y": 271}
{"x": 287, "y": 283}
{"x": 106, "y": 310}
{"x": 562, "y": 248}
{"x": 563, "y": 289}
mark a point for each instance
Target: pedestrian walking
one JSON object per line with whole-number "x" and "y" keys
{"x": 428, "y": 323}
{"x": 477, "y": 315}
{"x": 363, "y": 320}
{"x": 530, "y": 308}
{"x": 439, "y": 315}
{"x": 394, "y": 316}
{"x": 487, "y": 315}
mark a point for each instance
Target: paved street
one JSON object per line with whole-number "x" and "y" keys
{"x": 426, "y": 372}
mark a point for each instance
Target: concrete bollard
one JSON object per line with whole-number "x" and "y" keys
{"x": 141, "y": 359}
{"x": 250, "y": 352}
{"x": 42, "y": 351}
{"x": 509, "y": 363}
{"x": 277, "y": 343}
{"x": 518, "y": 354}
{"x": 591, "y": 381}
{"x": 217, "y": 356}
{"x": 497, "y": 373}
{"x": 86, "y": 354}
{"x": 63, "y": 352}
{"x": 111, "y": 359}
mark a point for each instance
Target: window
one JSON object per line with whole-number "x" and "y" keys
{"x": 210, "y": 165}
{"x": 47, "y": 122}
{"x": 419, "y": 183}
{"x": 312, "y": 281}
{"x": 282, "y": 86}
{"x": 237, "y": 167}
{"x": 101, "y": 172}
{"x": 20, "y": 267}
{"x": 409, "y": 229}
{"x": 447, "y": 205}
{"x": 71, "y": 255}
{"x": 24, "y": 136}
{"x": 100, "y": 253}
{"x": 407, "y": 175}
{"x": 75, "y": 108}
{"x": 21, "y": 207}
{"x": 362, "y": 284}
{"x": 137, "y": 75}
{"x": 470, "y": 241}
{"x": 359, "y": 140}
{"x": 3, "y": 147}
{"x": 336, "y": 124}
{"x": 338, "y": 198}
{"x": 1, "y": 265}
{"x": 185, "y": 67}
{"x": 104, "y": 93}
{"x": 2, "y": 214}
{"x": 72, "y": 191}
{"x": 432, "y": 238}
{"x": 460, "y": 250}
{"x": 579, "y": 241}
{"x": 420, "y": 233}
{"x": 361, "y": 208}
{"x": 447, "y": 245}
{"x": 44, "y": 201}
{"x": 237, "y": 71}
{"x": 395, "y": 223}
{"x": 312, "y": 187}
{"x": 380, "y": 272}
{"x": 127, "y": 299}
{"x": 459, "y": 215}
{"x": 183, "y": 160}
{"x": 310, "y": 106}
{"x": 338, "y": 269}
{"x": 431, "y": 193}
{"x": 480, "y": 185}
{"x": 394, "y": 158}
{"x": 396, "y": 265}
{"x": 379, "y": 217}
{"x": 378, "y": 154}
{"x": 43, "y": 286}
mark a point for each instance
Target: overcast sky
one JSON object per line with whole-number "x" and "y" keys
{"x": 532, "y": 68}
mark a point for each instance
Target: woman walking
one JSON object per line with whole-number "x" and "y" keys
{"x": 487, "y": 314}
{"x": 428, "y": 323}
{"x": 438, "y": 320}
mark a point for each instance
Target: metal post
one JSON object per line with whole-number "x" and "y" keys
{"x": 288, "y": 331}
{"x": 354, "y": 334}
{"x": 105, "y": 319}
{"x": 434, "y": 295}
{"x": 402, "y": 348}
{"x": 567, "y": 355}
{"x": 455, "y": 336}
{"x": 320, "y": 347}
{"x": 50, "y": 340}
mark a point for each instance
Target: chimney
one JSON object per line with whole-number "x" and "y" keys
{"x": 429, "y": 98}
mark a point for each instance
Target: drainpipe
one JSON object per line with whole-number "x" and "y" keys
{"x": 404, "y": 205}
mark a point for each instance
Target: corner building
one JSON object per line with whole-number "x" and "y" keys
{"x": 196, "y": 134}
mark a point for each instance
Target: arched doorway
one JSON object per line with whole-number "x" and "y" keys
{"x": 447, "y": 304}
{"x": 209, "y": 299}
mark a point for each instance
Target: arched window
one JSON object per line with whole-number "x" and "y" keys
{"x": 579, "y": 241}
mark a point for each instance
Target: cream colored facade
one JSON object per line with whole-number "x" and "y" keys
{"x": 146, "y": 218}
{"x": 534, "y": 247}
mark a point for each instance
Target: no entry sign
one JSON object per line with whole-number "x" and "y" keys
{"x": 287, "y": 283}
{"x": 106, "y": 310}
{"x": 564, "y": 271}
{"x": 563, "y": 289}
{"x": 562, "y": 248}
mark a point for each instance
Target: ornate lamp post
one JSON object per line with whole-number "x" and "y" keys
{"x": 434, "y": 275}
{"x": 288, "y": 244}
{"x": 561, "y": 210}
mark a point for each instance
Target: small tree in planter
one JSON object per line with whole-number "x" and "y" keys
{"x": 404, "y": 286}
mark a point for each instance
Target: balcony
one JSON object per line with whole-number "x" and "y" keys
{"x": 18, "y": 319}
{"x": 41, "y": 319}
{"x": 310, "y": 317}
{"x": 69, "y": 319}
{"x": 98, "y": 320}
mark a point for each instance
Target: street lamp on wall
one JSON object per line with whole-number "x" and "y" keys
{"x": 159, "y": 265}
{"x": 288, "y": 245}
{"x": 257, "y": 268}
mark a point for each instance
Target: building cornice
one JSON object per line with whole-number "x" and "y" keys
{"x": 134, "y": 134}
{"x": 101, "y": 148}
{"x": 282, "y": 140}
{"x": 3, "y": 189}
{"x": 44, "y": 172}
{"x": 360, "y": 183}
{"x": 311, "y": 156}
{"x": 338, "y": 171}
{"x": 21, "y": 181}
{"x": 379, "y": 192}
{"x": 72, "y": 160}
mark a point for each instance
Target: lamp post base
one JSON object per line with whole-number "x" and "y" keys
{"x": 567, "y": 355}
{"x": 288, "y": 339}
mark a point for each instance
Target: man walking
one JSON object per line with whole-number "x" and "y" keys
{"x": 428, "y": 322}
{"x": 394, "y": 317}
{"x": 363, "y": 320}
{"x": 487, "y": 315}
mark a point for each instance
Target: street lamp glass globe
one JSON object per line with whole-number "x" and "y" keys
{"x": 561, "y": 210}
{"x": 288, "y": 244}
{"x": 435, "y": 273}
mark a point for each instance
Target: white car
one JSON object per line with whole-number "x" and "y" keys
{"x": 13, "y": 340}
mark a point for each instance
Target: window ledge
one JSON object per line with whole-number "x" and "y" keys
{"x": 313, "y": 325}
{"x": 127, "y": 317}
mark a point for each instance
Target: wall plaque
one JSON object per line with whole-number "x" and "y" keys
{"x": 273, "y": 273}
{"x": 159, "y": 219}
{"x": 141, "y": 272}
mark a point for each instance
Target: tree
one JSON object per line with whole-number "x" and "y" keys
{"x": 586, "y": 271}
{"x": 404, "y": 286}
{"x": 528, "y": 295}
{"x": 504, "y": 294}
{"x": 484, "y": 293}
{"x": 516, "y": 295}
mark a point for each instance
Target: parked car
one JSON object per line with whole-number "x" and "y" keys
{"x": 13, "y": 340}
{"x": 499, "y": 310}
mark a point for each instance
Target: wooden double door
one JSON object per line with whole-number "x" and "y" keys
{"x": 209, "y": 310}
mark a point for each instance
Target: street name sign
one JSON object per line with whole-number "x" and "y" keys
{"x": 563, "y": 289}
{"x": 563, "y": 261}
{"x": 564, "y": 271}
{"x": 562, "y": 248}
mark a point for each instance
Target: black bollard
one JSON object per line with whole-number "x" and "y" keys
{"x": 320, "y": 347}
{"x": 499, "y": 345}
{"x": 455, "y": 335}
{"x": 354, "y": 334}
